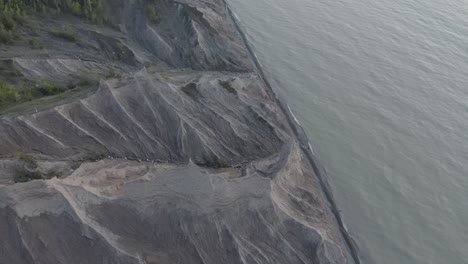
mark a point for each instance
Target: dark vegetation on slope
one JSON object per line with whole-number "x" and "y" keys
{"x": 191, "y": 90}
{"x": 15, "y": 13}
{"x": 93, "y": 31}
{"x": 30, "y": 170}
{"x": 15, "y": 89}
{"x": 151, "y": 11}
{"x": 214, "y": 162}
{"x": 24, "y": 90}
{"x": 66, "y": 34}
{"x": 63, "y": 49}
{"x": 227, "y": 85}
{"x": 26, "y": 25}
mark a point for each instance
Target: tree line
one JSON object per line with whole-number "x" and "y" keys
{"x": 14, "y": 13}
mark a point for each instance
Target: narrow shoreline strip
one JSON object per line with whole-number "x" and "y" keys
{"x": 304, "y": 143}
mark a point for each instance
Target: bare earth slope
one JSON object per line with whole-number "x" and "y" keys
{"x": 197, "y": 162}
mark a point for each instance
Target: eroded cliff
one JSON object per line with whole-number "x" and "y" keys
{"x": 165, "y": 147}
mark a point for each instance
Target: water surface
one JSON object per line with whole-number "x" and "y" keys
{"x": 381, "y": 87}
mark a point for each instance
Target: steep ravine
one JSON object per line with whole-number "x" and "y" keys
{"x": 175, "y": 151}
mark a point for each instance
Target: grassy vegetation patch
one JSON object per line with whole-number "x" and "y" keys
{"x": 8, "y": 94}
{"x": 11, "y": 17}
{"x": 19, "y": 95}
{"x": 35, "y": 45}
{"x": 26, "y": 91}
{"x": 93, "y": 10}
{"x": 151, "y": 11}
{"x": 66, "y": 34}
{"x": 8, "y": 69}
{"x": 27, "y": 160}
{"x": 227, "y": 85}
{"x": 111, "y": 72}
{"x": 218, "y": 163}
{"x": 222, "y": 163}
{"x": 30, "y": 170}
{"x": 15, "y": 13}
{"x": 47, "y": 88}
{"x": 191, "y": 90}
{"x": 88, "y": 78}
{"x": 29, "y": 175}
{"x": 47, "y": 102}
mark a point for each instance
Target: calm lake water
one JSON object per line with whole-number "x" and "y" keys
{"x": 381, "y": 87}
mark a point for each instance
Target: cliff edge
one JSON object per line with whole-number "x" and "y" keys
{"x": 140, "y": 131}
